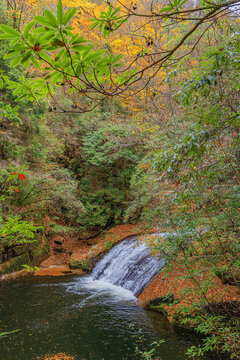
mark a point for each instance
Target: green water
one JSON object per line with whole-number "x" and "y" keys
{"x": 81, "y": 318}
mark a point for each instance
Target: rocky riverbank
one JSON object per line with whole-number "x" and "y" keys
{"x": 165, "y": 293}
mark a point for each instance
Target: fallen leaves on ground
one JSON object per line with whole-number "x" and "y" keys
{"x": 53, "y": 271}
{"x": 59, "y": 356}
{"x": 80, "y": 249}
{"x": 175, "y": 283}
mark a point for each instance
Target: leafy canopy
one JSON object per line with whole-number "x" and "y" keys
{"x": 48, "y": 43}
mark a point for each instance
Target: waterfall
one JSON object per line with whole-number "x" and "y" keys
{"x": 128, "y": 265}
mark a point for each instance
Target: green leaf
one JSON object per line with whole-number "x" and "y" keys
{"x": 46, "y": 57}
{"x": 27, "y": 63}
{"x": 20, "y": 47}
{"x": 16, "y": 61}
{"x": 26, "y": 57}
{"x": 60, "y": 11}
{"x": 35, "y": 62}
{"x": 57, "y": 42}
{"x": 50, "y": 89}
{"x": 39, "y": 30}
{"x": 78, "y": 40}
{"x": 168, "y": 8}
{"x": 21, "y": 97}
{"x": 118, "y": 57}
{"x": 27, "y": 29}
{"x": 49, "y": 76}
{"x": 6, "y": 36}
{"x": 79, "y": 70}
{"x": 42, "y": 21}
{"x": 1, "y": 83}
{"x": 10, "y": 54}
{"x": 9, "y": 332}
{"x": 48, "y": 35}
{"x": 116, "y": 11}
{"x": 109, "y": 10}
{"x": 14, "y": 42}
{"x": 88, "y": 49}
{"x": 57, "y": 77}
{"x": 94, "y": 25}
{"x": 8, "y": 30}
{"x": 69, "y": 15}
{"x": 79, "y": 48}
{"x": 51, "y": 18}
{"x": 59, "y": 54}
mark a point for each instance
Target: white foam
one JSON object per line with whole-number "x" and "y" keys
{"x": 129, "y": 265}
{"x": 106, "y": 288}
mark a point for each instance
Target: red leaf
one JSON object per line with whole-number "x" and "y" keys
{"x": 16, "y": 190}
{"x": 22, "y": 176}
{"x": 13, "y": 174}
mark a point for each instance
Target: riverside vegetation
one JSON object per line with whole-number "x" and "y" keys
{"x": 130, "y": 115}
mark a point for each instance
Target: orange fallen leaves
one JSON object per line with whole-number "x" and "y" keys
{"x": 59, "y": 356}
{"x": 175, "y": 283}
{"x": 116, "y": 234}
{"x": 81, "y": 249}
{"x": 53, "y": 271}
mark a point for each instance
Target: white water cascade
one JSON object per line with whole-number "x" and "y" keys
{"x": 128, "y": 265}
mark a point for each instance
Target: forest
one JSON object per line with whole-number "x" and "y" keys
{"x": 121, "y": 119}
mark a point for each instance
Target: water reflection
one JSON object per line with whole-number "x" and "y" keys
{"x": 79, "y": 319}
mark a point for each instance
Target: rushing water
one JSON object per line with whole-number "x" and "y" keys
{"x": 128, "y": 265}
{"x": 87, "y": 318}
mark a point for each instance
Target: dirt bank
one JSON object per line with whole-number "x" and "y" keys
{"x": 64, "y": 248}
{"x": 174, "y": 283}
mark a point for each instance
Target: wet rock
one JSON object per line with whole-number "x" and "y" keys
{"x": 166, "y": 299}
{"x": 84, "y": 265}
{"x": 59, "y": 250}
{"x": 59, "y": 242}
{"x": 227, "y": 309}
{"x": 158, "y": 304}
{"x": 227, "y": 278}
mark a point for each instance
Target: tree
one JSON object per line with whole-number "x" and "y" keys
{"x": 70, "y": 61}
{"x": 13, "y": 231}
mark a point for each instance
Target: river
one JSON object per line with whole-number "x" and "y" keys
{"x": 83, "y": 318}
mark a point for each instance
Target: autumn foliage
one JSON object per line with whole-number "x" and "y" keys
{"x": 127, "y": 114}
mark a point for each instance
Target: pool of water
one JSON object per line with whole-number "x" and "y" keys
{"x": 82, "y": 318}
